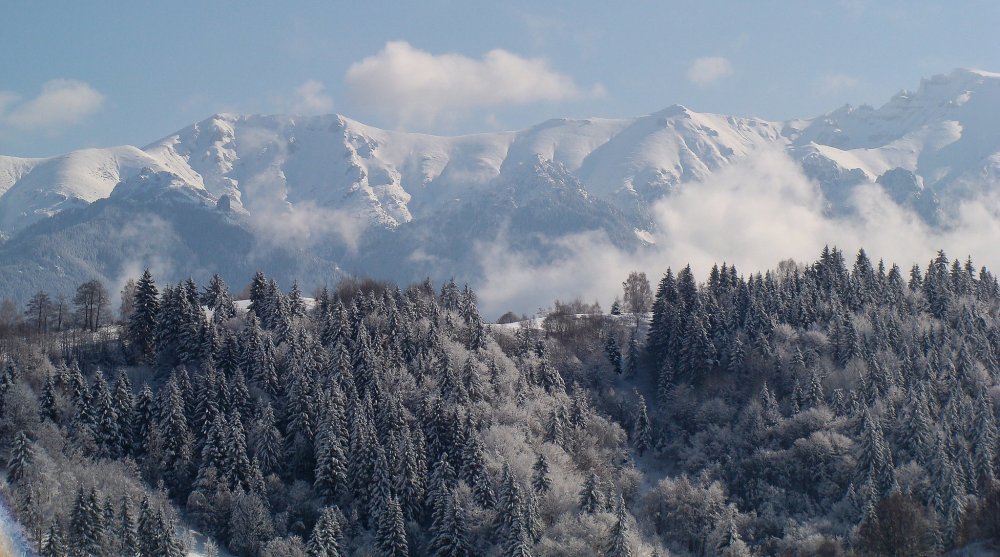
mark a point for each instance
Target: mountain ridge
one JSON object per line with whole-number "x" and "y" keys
{"x": 353, "y": 195}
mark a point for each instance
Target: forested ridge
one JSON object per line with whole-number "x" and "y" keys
{"x": 829, "y": 408}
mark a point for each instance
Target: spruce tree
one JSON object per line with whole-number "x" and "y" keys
{"x": 591, "y": 500}
{"x": 47, "y": 402}
{"x": 540, "y": 480}
{"x": 324, "y": 541}
{"x": 554, "y": 429}
{"x": 259, "y": 299}
{"x": 106, "y": 421}
{"x": 86, "y": 523}
{"x": 142, "y": 323}
{"x": 641, "y": 437}
{"x": 127, "y": 532}
{"x": 632, "y": 356}
{"x": 391, "y": 534}
{"x": 176, "y": 437}
{"x": 124, "y": 409}
{"x": 22, "y": 454}
{"x": 613, "y": 353}
{"x": 54, "y": 545}
{"x": 236, "y": 465}
{"x": 410, "y": 475}
{"x": 618, "y": 545}
{"x": 509, "y": 506}
{"x": 331, "y": 462}
{"x": 449, "y": 534}
{"x": 984, "y": 439}
{"x": 532, "y": 520}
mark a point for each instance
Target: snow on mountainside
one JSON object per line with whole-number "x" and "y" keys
{"x": 945, "y": 134}
{"x": 32, "y": 189}
{"x": 384, "y": 177}
{"x": 364, "y": 199}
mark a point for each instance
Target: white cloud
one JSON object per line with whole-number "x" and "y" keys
{"x": 311, "y": 98}
{"x": 61, "y": 103}
{"x": 753, "y": 214}
{"x": 708, "y": 70}
{"x": 835, "y": 83}
{"x": 413, "y": 86}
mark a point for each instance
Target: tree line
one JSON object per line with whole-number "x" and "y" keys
{"x": 819, "y": 408}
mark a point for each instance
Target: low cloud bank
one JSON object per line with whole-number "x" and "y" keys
{"x": 754, "y": 214}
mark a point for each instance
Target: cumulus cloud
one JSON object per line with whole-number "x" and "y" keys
{"x": 61, "y": 103}
{"x": 415, "y": 87}
{"x": 311, "y": 98}
{"x": 754, "y": 215}
{"x": 708, "y": 70}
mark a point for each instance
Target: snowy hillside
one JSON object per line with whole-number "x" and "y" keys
{"x": 32, "y": 189}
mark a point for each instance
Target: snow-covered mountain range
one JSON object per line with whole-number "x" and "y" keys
{"x": 329, "y": 195}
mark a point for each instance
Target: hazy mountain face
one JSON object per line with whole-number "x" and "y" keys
{"x": 330, "y": 195}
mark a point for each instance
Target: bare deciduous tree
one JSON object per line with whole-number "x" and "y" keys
{"x": 128, "y": 300}
{"x": 638, "y": 294}
{"x": 91, "y": 301}
{"x": 39, "y": 311}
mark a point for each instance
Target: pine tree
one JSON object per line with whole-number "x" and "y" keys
{"x": 391, "y": 534}
{"x": 128, "y": 534}
{"x": 22, "y": 454}
{"x": 875, "y": 457}
{"x": 47, "y": 402}
{"x": 331, "y": 462}
{"x": 236, "y": 463}
{"x": 532, "y": 520}
{"x": 86, "y": 523}
{"x": 591, "y": 500}
{"x": 106, "y": 422}
{"x": 440, "y": 484}
{"x": 614, "y": 353}
{"x": 259, "y": 299}
{"x": 142, "y": 323}
{"x": 217, "y": 298}
{"x": 124, "y": 409}
{"x": 380, "y": 488}
{"x": 984, "y": 439}
{"x": 632, "y": 359}
{"x": 325, "y": 538}
{"x": 475, "y": 473}
{"x": 815, "y": 397}
{"x": 618, "y": 545}
{"x": 540, "y": 480}
{"x": 449, "y": 534}
{"x": 54, "y": 545}
{"x": 410, "y": 475}
{"x": 554, "y": 429}
{"x": 509, "y": 505}
{"x": 144, "y": 421}
{"x": 918, "y": 438}
{"x": 641, "y": 437}
{"x": 549, "y": 377}
{"x": 173, "y": 430}
{"x": 517, "y": 542}
{"x": 169, "y": 544}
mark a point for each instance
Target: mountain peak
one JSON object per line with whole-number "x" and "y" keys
{"x": 973, "y": 72}
{"x": 675, "y": 110}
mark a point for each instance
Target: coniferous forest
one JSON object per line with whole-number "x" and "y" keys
{"x": 840, "y": 407}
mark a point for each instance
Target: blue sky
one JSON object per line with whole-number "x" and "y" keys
{"x": 81, "y": 74}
